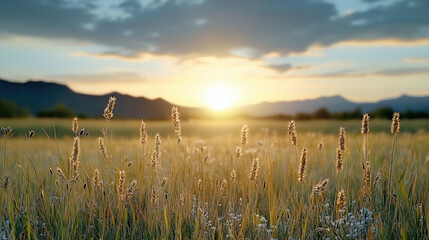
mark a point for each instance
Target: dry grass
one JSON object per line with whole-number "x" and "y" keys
{"x": 212, "y": 189}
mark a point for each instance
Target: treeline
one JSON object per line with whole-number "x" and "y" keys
{"x": 59, "y": 111}
{"x": 379, "y": 113}
{"x": 9, "y": 109}
{"x": 12, "y": 110}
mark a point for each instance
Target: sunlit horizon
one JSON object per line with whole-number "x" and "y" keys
{"x": 342, "y": 49}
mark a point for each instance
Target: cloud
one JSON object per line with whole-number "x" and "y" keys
{"x": 97, "y": 78}
{"x": 416, "y": 60}
{"x": 401, "y": 72}
{"x": 211, "y": 27}
{"x": 360, "y": 73}
{"x": 282, "y": 68}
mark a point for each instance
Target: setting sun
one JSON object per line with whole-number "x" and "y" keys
{"x": 219, "y": 97}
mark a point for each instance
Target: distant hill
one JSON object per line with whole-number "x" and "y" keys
{"x": 334, "y": 104}
{"x": 39, "y": 95}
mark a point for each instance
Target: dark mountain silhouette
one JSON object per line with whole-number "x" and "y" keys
{"x": 39, "y": 95}
{"x": 335, "y": 104}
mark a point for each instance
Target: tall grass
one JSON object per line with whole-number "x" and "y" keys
{"x": 247, "y": 185}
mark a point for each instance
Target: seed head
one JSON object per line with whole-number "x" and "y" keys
{"x": 108, "y": 111}
{"x": 6, "y": 132}
{"x": 164, "y": 181}
{"x": 365, "y": 123}
{"x": 342, "y": 139}
{"x": 394, "y": 129}
{"x": 223, "y": 186}
{"x": 96, "y": 178}
{"x": 120, "y": 188}
{"x": 75, "y": 125}
{"x": 244, "y": 134}
{"x": 154, "y": 197}
{"x": 320, "y": 187}
{"x": 200, "y": 184}
{"x": 367, "y": 175}
{"x": 61, "y": 173}
{"x": 81, "y": 132}
{"x": 102, "y": 148}
{"x": 5, "y": 181}
{"x": 175, "y": 116}
{"x": 30, "y": 134}
{"x": 156, "y": 153}
{"x": 254, "y": 171}
{"x": 339, "y": 157}
{"x": 74, "y": 159}
{"x": 320, "y": 146}
{"x": 292, "y": 132}
{"x": 233, "y": 176}
{"x": 143, "y": 133}
{"x": 131, "y": 189}
{"x": 302, "y": 165}
{"x": 341, "y": 200}
{"x": 238, "y": 151}
{"x": 378, "y": 178}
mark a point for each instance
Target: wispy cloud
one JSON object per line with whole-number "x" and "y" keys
{"x": 416, "y": 60}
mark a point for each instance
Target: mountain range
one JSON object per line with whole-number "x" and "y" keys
{"x": 40, "y": 95}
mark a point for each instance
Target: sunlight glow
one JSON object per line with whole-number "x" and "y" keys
{"x": 219, "y": 97}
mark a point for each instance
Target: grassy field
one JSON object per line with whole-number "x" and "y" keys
{"x": 200, "y": 128}
{"x": 200, "y": 189}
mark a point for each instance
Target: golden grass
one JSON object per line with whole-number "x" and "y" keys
{"x": 212, "y": 189}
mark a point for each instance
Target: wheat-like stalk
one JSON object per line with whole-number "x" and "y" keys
{"x": 339, "y": 158}
{"x": 378, "y": 178}
{"x": 143, "y": 133}
{"x": 233, "y": 176}
{"x": 74, "y": 158}
{"x": 108, "y": 111}
{"x": 96, "y": 178}
{"x": 342, "y": 139}
{"x": 292, "y": 132}
{"x": 200, "y": 184}
{"x": 341, "y": 200}
{"x": 367, "y": 175}
{"x": 120, "y": 187}
{"x": 5, "y": 181}
{"x": 238, "y": 151}
{"x": 75, "y": 125}
{"x": 156, "y": 153}
{"x": 244, "y": 135}
{"x": 365, "y": 131}
{"x": 302, "y": 165}
{"x": 175, "y": 116}
{"x": 131, "y": 189}
{"x": 320, "y": 146}
{"x": 164, "y": 181}
{"x": 102, "y": 148}
{"x": 254, "y": 171}
{"x": 61, "y": 173}
{"x": 223, "y": 186}
{"x": 365, "y": 123}
{"x": 320, "y": 187}
{"x": 394, "y": 129}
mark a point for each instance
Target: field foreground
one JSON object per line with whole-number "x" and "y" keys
{"x": 213, "y": 186}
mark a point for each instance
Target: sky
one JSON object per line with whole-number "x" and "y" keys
{"x": 246, "y": 51}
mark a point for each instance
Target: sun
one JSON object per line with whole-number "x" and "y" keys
{"x": 220, "y": 97}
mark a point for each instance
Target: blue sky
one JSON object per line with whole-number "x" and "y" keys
{"x": 179, "y": 50}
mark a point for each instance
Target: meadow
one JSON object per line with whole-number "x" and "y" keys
{"x": 235, "y": 179}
